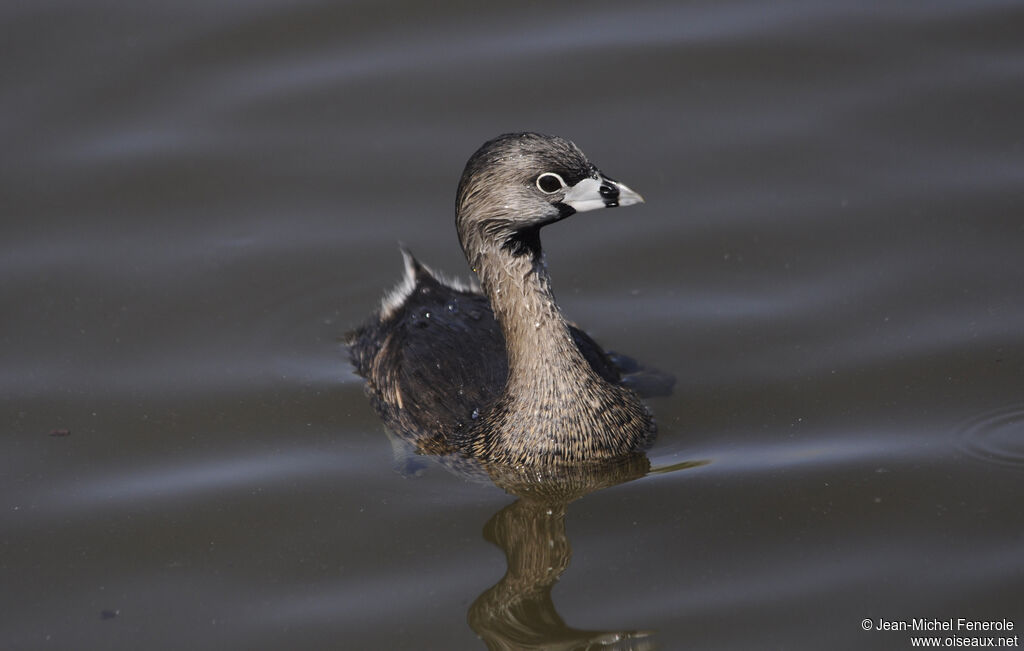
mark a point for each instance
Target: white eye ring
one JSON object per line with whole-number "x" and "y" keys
{"x": 545, "y": 180}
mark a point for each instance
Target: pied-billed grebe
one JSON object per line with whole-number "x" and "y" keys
{"x": 501, "y": 376}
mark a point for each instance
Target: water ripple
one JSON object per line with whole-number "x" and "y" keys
{"x": 181, "y": 480}
{"x": 996, "y": 436}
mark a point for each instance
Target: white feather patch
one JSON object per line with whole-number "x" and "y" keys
{"x": 397, "y": 297}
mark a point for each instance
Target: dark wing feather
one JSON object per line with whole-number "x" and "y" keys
{"x": 435, "y": 361}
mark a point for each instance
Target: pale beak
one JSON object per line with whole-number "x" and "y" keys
{"x": 601, "y": 192}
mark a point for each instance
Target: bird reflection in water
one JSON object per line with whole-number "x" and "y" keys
{"x": 518, "y": 611}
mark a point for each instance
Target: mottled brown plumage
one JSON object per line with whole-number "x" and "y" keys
{"x": 502, "y": 376}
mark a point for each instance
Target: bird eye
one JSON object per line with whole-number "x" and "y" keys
{"x": 549, "y": 183}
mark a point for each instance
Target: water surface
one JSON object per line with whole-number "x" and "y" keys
{"x": 200, "y": 199}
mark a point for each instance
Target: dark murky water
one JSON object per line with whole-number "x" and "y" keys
{"x": 200, "y": 198}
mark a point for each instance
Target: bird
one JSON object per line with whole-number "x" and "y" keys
{"x": 492, "y": 370}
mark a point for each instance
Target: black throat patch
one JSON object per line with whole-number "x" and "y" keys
{"x": 524, "y": 242}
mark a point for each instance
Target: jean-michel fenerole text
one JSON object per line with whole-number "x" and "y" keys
{"x": 951, "y": 624}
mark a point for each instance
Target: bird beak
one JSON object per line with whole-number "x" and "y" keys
{"x": 600, "y": 192}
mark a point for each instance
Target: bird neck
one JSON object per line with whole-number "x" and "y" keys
{"x": 543, "y": 358}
